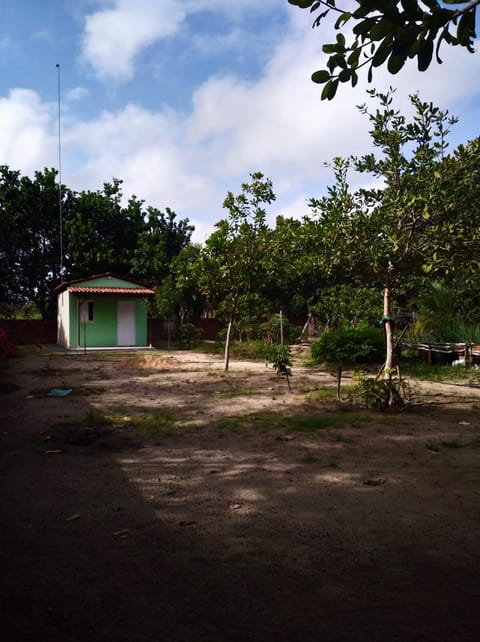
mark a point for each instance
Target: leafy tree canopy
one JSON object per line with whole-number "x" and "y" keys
{"x": 388, "y": 32}
{"x": 233, "y": 260}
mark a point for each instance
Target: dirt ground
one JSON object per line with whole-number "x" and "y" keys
{"x": 166, "y": 500}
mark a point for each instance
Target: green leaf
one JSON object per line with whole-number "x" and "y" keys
{"x": 466, "y": 28}
{"x": 321, "y": 76}
{"x": 425, "y": 53}
{"x": 396, "y": 62}
{"x": 353, "y": 58}
{"x": 339, "y": 60}
{"x": 383, "y": 28}
{"x": 363, "y": 28}
{"x": 411, "y": 9}
{"x": 345, "y": 17}
{"x": 329, "y": 49}
{"x": 381, "y": 55}
{"x": 329, "y": 90}
{"x": 303, "y": 4}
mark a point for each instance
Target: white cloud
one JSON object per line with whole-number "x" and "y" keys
{"x": 26, "y": 140}
{"x": 145, "y": 150}
{"x": 115, "y": 36}
{"x": 77, "y": 93}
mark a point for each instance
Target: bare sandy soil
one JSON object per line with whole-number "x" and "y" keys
{"x": 165, "y": 500}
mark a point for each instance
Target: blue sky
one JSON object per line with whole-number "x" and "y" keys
{"x": 182, "y": 99}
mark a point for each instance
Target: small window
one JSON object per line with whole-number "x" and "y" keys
{"x": 87, "y": 312}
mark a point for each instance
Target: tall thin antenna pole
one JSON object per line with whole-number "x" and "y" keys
{"x": 60, "y": 176}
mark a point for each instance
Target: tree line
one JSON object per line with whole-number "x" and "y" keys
{"x": 356, "y": 255}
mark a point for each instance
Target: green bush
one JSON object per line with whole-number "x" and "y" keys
{"x": 383, "y": 394}
{"x": 256, "y": 350}
{"x": 189, "y": 335}
{"x": 349, "y": 346}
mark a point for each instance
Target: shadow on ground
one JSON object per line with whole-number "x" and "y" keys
{"x": 216, "y": 537}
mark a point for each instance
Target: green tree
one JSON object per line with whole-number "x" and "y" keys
{"x": 405, "y": 217}
{"x": 289, "y": 279}
{"x": 456, "y": 258}
{"x": 163, "y": 237}
{"x": 10, "y": 240}
{"x": 309, "y": 256}
{"x": 40, "y": 259}
{"x": 405, "y": 228}
{"x": 100, "y": 234}
{"x": 347, "y": 347}
{"x": 188, "y": 278}
{"x": 388, "y": 32}
{"x": 30, "y": 238}
{"x": 346, "y": 305}
{"x": 232, "y": 262}
{"x": 438, "y": 308}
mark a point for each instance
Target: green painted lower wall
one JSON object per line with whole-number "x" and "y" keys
{"x": 102, "y": 330}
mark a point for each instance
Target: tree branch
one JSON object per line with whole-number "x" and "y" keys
{"x": 469, "y": 7}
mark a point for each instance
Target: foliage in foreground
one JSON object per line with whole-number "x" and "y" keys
{"x": 382, "y": 394}
{"x": 283, "y": 363}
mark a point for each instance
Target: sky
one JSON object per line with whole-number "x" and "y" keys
{"x": 183, "y": 99}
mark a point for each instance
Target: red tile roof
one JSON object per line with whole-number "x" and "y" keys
{"x": 83, "y": 289}
{"x": 68, "y": 285}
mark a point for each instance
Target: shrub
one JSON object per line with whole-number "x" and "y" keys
{"x": 189, "y": 335}
{"x": 349, "y": 346}
{"x": 381, "y": 394}
{"x": 283, "y": 362}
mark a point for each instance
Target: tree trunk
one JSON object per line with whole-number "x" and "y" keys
{"x": 229, "y": 333}
{"x": 339, "y": 380}
{"x": 388, "y": 325}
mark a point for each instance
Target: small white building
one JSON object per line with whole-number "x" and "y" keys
{"x": 102, "y": 311}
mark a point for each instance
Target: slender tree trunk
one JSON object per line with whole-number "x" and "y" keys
{"x": 339, "y": 380}
{"x": 388, "y": 322}
{"x": 229, "y": 332}
{"x": 388, "y": 325}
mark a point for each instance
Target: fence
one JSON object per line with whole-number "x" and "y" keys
{"x": 445, "y": 352}
{"x": 160, "y": 331}
{"x": 38, "y": 331}
{"x": 30, "y": 331}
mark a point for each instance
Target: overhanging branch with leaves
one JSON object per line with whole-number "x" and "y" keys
{"x": 389, "y": 32}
